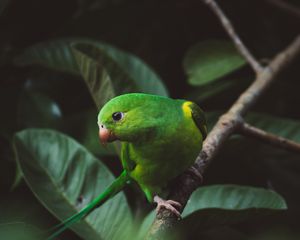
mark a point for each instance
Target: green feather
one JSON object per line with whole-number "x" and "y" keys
{"x": 161, "y": 137}
{"x": 111, "y": 191}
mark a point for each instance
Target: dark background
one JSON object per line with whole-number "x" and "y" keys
{"x": 160, "y": 33}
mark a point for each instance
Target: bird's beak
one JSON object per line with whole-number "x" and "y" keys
{"x": 106, "y": 135}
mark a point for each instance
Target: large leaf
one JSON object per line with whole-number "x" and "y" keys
{"x": 205, "y": 92}
{"x": 110, "y": 73}
{"x": 18, "y": 231}
{"x": 233, "y": 197}
{"x": 122, "y": 68}
{"x": 65, "y": 177}
{"x": 55, "y": 55}
{"x": 279, "y": 166}
{"x": 210, "y": 60}
{"x": 215, "y": 205}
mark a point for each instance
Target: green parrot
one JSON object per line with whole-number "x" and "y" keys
{"x": 161, "y": 138}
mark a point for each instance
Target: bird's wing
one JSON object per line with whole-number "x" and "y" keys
{"x": 199, "y": 118}
{"x": 128, "y": 164}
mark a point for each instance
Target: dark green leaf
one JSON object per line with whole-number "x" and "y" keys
{"x": 214, "y": 205}
{"x": 18, "y": 231}
{"x": 37, "y": 110}
{"x": 65, "y": 177}
{"x": 210, "y": 60}
{"x": 83, "y": 127}
{"x": 111, "y": 72}
{"x": 229, "y": 204}
{"x": 55, "y": 55}
{"x": 18, "y": 177}
{"x": 213, "y": 89}
{"x": 278, "y": 166}
{"x": 233, "y": 197}
{"x": 118, "y": 68}
{"x": 284, "y": 127}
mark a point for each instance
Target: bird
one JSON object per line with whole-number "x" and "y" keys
{"x": 160, "y": 139}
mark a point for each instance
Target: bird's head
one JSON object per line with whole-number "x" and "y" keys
{"x": 129, "y": 117}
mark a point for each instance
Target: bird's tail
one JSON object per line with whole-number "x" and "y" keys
{"x": 112, "y": 190}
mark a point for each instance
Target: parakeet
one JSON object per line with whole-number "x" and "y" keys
{"x": 161, "y": 138}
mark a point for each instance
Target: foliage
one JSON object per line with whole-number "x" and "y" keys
{"x": 53, "y": 84}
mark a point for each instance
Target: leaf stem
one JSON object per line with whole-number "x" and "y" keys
{"x": 253, "y": 132}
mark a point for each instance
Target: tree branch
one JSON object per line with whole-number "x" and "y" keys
{"x": 235, "y": 38}
{"x": 251, "y": 131}
{"x": 226, "y": 125}
{"x": 293, "y": 10}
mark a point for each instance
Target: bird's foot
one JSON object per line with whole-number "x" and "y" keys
{"x": 167, "y": 204}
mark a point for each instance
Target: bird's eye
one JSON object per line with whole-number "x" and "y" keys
{"x": 117, "y": 116}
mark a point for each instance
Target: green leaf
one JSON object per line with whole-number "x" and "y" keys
{"x": 37, "y": 110}
{"x": 110, "y": 72}
{"x": 55, "y": 55}
{"x": 209, "y": 60}
{"x": 102, "y": 74}
{"x": 18, "y": 231}
{"x": 65, "y": 177}
{"x": 229, "y": 204}
{"x": 278, "y": 166}
{"x": 83, "y": 127}
{"x": 284, "y": 127}
{"x": 208, "y": 91}
{"x": 117, "y": 67}
{"x": 233, "y": 197}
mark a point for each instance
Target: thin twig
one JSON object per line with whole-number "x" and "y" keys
{"x": 224, "y": 128}
{"x": 235, "y": 38}
{"x": 251, "y": 131}
{"x": 290, "y": 9}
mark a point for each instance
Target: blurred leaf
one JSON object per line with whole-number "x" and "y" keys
{"x": 55, "y": 55}
{"x": 209, "y": 60}
{"x": 9, "y": 96}
{"x": 284, "y": 127}
{"x": 233, "y": 197}
{"x": 37, "y": 110}
{"x": 146, "y": 224}
{"x": 279, "y": 167}
{"x": 7, "y": 165}
{"x": 213, "y": 89}
{"x": 214, "y": 205}
{"x": 103, "y": 76}
{"x": 18, "y": 231}
{"x": 65, "y": 177}
{"x": 83, "y": 127}
{"x": 111, "y": 62}
{"x": 111, "y": 73}
{"x": 18, "y": 177}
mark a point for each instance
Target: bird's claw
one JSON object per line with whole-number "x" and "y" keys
{"x": 167, "y": 204}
